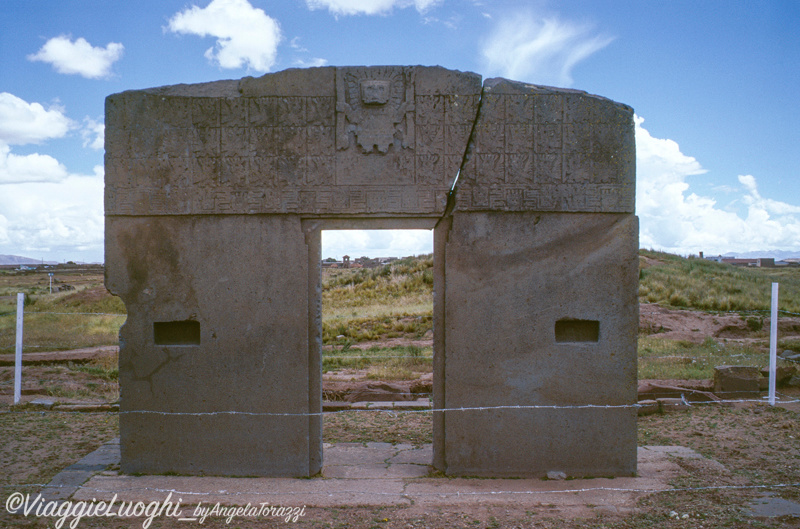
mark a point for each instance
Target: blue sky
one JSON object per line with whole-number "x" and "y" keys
{"x": 712, "y": 83}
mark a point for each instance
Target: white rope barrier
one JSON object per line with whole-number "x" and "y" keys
{"x": 78, "y": 313}
{"x": 683, "y": 400}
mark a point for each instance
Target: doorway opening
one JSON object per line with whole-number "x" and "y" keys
{"x": 376, "y": 333}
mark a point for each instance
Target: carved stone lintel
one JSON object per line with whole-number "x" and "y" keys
{"x": 531, "y": 149}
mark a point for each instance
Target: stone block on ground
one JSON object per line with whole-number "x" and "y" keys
{"x": 47, "y": 403}
{"x": 88, "y": 408}
{"x": 649, "y": 390}
{"x": 379, "y": 392}
{"x": 736, "y": 382}
{"x": 423, "y": 385}
{"x": 782, "y": 374}
{"x": 648, "y": 407}
{"x": 335, "y": 406}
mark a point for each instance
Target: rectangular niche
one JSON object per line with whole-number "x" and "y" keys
{"x": 176, "y": 332}
{"x": 577, "y": 331}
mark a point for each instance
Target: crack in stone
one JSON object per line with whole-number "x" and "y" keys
{"x": 149, "y": 377}
{"x": 451, "y": 196}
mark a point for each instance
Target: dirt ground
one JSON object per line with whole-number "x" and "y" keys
{"x": 695, "y": 326}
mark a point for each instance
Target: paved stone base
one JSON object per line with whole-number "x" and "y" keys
{"x": 69, "y": 481}
{"x": 374, "y": 474}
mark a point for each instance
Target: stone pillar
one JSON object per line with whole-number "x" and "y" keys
{"x": 218, "y": 322}
{"x": 541, "y": 303}
{"x": 540, "y": 312}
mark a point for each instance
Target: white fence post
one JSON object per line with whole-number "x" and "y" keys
{"x": 18, "y": 355}
{"x": 773, "y": 343}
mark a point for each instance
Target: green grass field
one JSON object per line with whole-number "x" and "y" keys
{"x": 700, "y": 284}
{"x": 84, "y": 317}
{"x": 391, "y": 301}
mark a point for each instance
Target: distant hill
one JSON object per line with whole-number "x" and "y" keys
{"x": 699, "y": 284}
{"x": 17, "y": 260}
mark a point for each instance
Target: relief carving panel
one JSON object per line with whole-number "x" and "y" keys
{"x": 549, "y": 150}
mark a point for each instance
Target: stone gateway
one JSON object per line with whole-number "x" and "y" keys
{"x": 215, "y": 198}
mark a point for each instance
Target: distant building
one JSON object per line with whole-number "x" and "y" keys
{"x": 359, "y": 262}
{"x": 764, "y": 262}
{"x": 739, "y": 262}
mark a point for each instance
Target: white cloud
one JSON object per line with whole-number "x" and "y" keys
{"x": 4, "y": 239}
{"x": 15, "y": 169}
{"x": 754, "y": 199}
{"x": 246, "y": 36}
{"x": 79, "y": 57}
{"x": 93, "y": 134}
{"x": 369, "y": 7}
{"x": 54, "y": 220}
{"x": 46, "y": 211}
{"x": 295, "y": 45}
{"x": 376, "y": 243}
{"x": 539, "y": 50}
{"x": 22, "y": 123}
{"x": 674, "y": 219}
{"x": 311, "y": 63}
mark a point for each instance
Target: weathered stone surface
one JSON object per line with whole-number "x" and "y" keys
{"x": 216, "y": 195}
{"x": 736, "y": 382}
{"x": 783, "y": 374}
{"x": 543, "y": 149}
{"x": 379, "y": 392}
{"x": 230, "y": 276}
{"x": 423, "y": 386}
{"x": 511, "y": 277}
{"x": 299, "y": 141}
{"x": 790, "y": 355}
{"x": 316, "y": 142}
{"x": 651, "y": 390}
{"x": 794, "y": 382}
{"x": 47, "y": 403}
